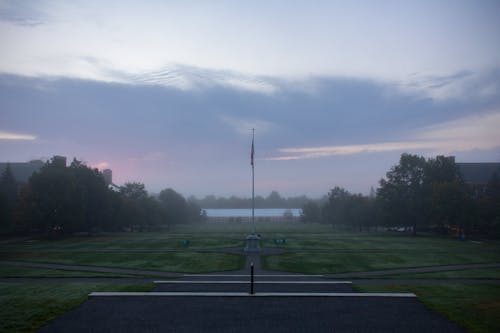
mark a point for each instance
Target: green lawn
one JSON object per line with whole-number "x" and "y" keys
{"x": 348, "y": 252}
{"x": 7, "y": 271}
{"x": 475, "y": 307}
{"x": 163, "y": 251}
{"x": 309, "y": 249}
{"x": 324, "y": 263}
{"x": 482, "y": 273}
{"x": 185, "y": 262}
{"x": 25, "y": 307}
{"x": 128, "y": 242}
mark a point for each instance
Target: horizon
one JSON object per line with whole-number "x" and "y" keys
{"x": 166, "y": 94}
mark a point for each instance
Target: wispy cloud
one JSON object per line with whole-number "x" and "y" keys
{"x": 465, "y": 134}
{"x": 459, "y": 85}
{"x": 154, "y": 156}
{"x": 243, "y": 126}
{"x": 330, "y": 151}
{"x": 101, "y": 165}
{"x": 473, "y": 132}
{"x": 187, "y": 77}
{"x": 15, "y": 136}
{"x": 22, "y": 13}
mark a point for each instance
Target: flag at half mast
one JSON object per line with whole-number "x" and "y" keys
{"x": 251, "y": 154}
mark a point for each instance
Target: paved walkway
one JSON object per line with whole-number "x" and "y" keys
{"x": 221, "y": 302}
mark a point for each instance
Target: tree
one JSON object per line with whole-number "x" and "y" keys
{"x": 311, "y": 212}
{"x": 176, "y": 209}
{"x": 8, "y": 185}
{"x": 63, "y": 200}
{"x": 8, "y": 197}
{"x": 134, "y": 191}
{"x": 446, "y": 197}
{"x": 288, "y": 215}
{"x": 402, "y": 192}
{"x": 336, "y": 209}
{"x": 195, "y": 213}
{"x": 274, "y": 200}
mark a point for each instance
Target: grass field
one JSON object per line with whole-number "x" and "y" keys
{"x": 329, "y": 252}
{"x": 25, "y": 307}
{"x": 8, "y": 271}
{"x": 148, "y": 251}
{"x": 475, "y": 307}
{"x": 308, "y": 249}
{"x": 482, "y": 273}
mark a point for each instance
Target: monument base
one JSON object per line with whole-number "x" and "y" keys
{"x": 252, "y": 244}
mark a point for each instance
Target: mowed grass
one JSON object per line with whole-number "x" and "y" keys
{"x": 347, "y": 252}
{"x": 25, "y": 307}
{"x": 163, "y": 251}
{"x": 182, "y": 262}
{"x": 482, "y": 273}
{"x": 8, "y": 271}
{"x": 475, "y": 307}
{"x": 324, "y": 263}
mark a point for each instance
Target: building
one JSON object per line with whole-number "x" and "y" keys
{"x": 22, "y": 171}
{"x": 479, "y": 175}
{"x": 60, "y": 161}
{"x": 107, "y": 174}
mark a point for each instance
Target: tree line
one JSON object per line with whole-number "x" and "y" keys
{"x": 65, "y": 200}
{"x": 273, "y": 200}
{"x": 416, "y": 194}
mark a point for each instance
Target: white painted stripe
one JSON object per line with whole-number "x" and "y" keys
{"x": 256, "y": 275}
{"x": 248, "y": 282}
{"x": 233, "y": 294}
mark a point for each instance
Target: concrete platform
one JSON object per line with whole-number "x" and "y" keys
{"x": 274, "y": 314}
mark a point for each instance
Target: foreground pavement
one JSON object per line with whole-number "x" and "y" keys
{"x": 221, "y": 302}
{"x": 250, "y": 314}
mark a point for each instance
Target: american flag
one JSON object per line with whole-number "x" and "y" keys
{"x": 251, "y": 155}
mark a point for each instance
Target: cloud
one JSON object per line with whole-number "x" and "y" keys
{"x": 22, "y": 13}
{"x": 464, "y": 134}
{"x": 15, "y": 136}
{"x": 101, "y": 165}
{"x": 462, "y": 85}
{"x": 244, "y": 126}
{"x": 187, "y": 77}
{"x": 330, "y": 151}
{"x": 150, "y": 157}
{"x": 473, "y": 132}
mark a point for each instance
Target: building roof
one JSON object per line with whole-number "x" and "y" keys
{"x": 22, "y": 171}
{"x": 478, "y": 173}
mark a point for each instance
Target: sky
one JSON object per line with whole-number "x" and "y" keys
{"x": 166, "y": 92}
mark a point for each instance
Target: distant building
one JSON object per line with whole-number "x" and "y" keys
{"x": 59, "y": 161}
{"x": 107, "y": 174}
{"x": 22, "y": 171}
{"x": 478, "y": 175}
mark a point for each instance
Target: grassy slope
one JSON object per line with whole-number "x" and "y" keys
{"x": 149, "y": 251}
{"x": 7, "y": 271}
{"x": 339, "y": 253}
{"x": 483, "y": 273}
{"x": 475, "y": 307}
{"x": 186, "y": 262}
{"x": 25, "y": 307}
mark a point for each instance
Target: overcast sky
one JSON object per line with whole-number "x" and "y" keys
{"x": 166, "y": 93}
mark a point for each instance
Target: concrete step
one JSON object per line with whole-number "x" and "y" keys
{"x": 316, "y": 286}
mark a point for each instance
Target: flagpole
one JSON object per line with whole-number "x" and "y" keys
{"x": 253, "y": 181}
